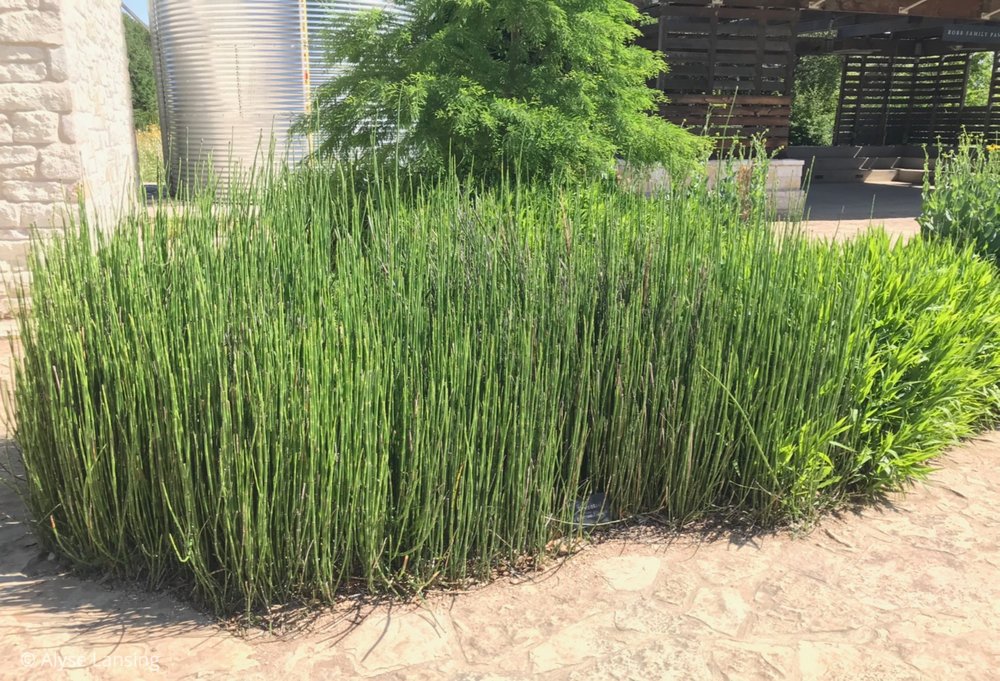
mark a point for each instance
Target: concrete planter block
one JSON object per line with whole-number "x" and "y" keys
{"x": 784, "y": 179}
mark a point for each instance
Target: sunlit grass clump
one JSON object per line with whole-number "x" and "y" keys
{"x": 303, "y": 387}
{"x": 149, "y": 145}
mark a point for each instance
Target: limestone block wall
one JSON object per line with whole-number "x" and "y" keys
{"x": 65, "y": 121}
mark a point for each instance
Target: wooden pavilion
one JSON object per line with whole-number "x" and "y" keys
{"x": 905, "y": 67}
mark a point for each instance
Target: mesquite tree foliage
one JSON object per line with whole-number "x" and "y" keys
{"x": 553, "y": 87}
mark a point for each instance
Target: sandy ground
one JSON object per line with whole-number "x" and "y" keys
{"x": 908, "y": 589}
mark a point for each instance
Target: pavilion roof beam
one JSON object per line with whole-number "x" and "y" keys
{"x": 878, "y": 26}
{"x": 813, "y": 21}
{"x": 823, "y": 23}
{"x": 898, "y": 25}
{"x": 972, "y": 10}
{"x": 869, "y": 45}
{"x": 908, "y": 8}
{"x": 966, "y": 10}
{"x": 854, "y": 25}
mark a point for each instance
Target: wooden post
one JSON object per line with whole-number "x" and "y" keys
{"x": 758, "y": 80}
{"x": 936, "y": 102}
{"x": 910, "y": 113}
{"x": 661, "y": 46}
{"x": 837, "y": 137}
{"x": 965, "y": 88}
{"x": 863, "y": 73}
{"x": 890, "y": 81}
{"x": 993, "y": 102}
{"x": 713, "y": 49}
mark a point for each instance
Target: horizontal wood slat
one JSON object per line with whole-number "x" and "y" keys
{"x": 730, "y": 67}
{"x": 727, "y": 60}
{"x": 911, "y": 100}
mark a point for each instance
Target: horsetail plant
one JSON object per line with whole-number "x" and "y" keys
{"x": 301, "y": 386}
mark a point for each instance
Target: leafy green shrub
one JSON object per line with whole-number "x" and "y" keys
{"x": 814, "y": 106}
{"x": 963, "y": 203}
{"x": 296, "y": 387}
{"x": 549, "y": 86}
{"x": 932, "y": 369}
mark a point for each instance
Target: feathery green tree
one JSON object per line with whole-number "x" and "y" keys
{"x": 557, "y": 87}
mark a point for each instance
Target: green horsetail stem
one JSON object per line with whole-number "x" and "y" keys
{"x": 306, "y": 385}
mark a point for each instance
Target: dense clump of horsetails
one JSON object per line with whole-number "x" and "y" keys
{"x": 308, "y": 385}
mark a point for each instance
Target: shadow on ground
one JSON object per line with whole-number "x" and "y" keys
{"x": 33, "y": 581}
{"x": 862, "y": 201}
{"x": 87, "y": 610}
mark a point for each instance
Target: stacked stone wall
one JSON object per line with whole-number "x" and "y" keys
{"x": 65, "y": 123}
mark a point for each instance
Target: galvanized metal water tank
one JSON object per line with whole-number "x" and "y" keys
{"x": 232, "y": 77}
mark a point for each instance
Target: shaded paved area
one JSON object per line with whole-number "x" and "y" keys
{"x": 907, "y": 590}
{"x": 841, "y": 211}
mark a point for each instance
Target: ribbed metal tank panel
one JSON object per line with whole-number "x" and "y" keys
{"x": 233, "y": 75}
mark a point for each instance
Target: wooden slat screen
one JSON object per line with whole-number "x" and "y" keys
{"x": 912, "y": 100}
{"x": 730, "y": 67}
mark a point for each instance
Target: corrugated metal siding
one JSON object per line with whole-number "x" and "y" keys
{"x": 234, "y": 75}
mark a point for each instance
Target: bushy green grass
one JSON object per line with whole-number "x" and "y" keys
{"x": 962, "y": 205}
{"x": 932, "y": 369}
{"x": 302, "y": 386}
{"x": 150, "y": 147}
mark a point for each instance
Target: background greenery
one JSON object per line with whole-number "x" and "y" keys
{"x": 814, "y": 104}
{"x": 145, "y": 108}
{"x": 141, "y": 74}
{"x": 150, "y": 147}
{"x": 980, "y": 74}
